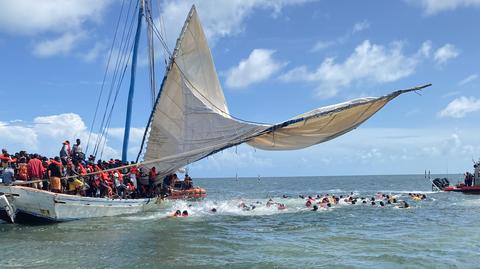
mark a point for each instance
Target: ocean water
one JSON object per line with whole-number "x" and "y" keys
{"x": 440, "y": 232}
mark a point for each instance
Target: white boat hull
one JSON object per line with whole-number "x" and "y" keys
{"x": 29, "y": 203}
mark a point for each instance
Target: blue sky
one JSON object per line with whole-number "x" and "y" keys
{"x": 276, "y": 59}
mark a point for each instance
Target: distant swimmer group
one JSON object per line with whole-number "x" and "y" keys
{"x": 322, "y": 202}
{"x": 379, "y": 199}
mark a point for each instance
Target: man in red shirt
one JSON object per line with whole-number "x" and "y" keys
{"x": 36, "y": 171}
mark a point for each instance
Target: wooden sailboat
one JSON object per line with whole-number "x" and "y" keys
{"x": 190, "y": 121}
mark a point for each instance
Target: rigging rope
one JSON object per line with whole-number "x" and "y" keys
{"x": 105, "y": 75}
{"x": 115, "y": 81}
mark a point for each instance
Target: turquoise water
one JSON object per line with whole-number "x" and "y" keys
{"x": 441, "y": 232}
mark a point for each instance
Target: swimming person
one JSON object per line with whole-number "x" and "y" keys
{"x": 403, "y": 204}
{"x": 185, "y": 213}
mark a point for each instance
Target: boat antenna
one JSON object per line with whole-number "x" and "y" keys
{"x": 128, "y": 119}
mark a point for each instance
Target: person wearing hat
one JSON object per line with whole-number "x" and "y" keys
{"x": 65, "y": 152}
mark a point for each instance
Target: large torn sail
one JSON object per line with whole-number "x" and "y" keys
{"x": 190, "y": 118}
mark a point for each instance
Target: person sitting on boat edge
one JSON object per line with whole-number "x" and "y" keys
{"x": 8, "y": 174}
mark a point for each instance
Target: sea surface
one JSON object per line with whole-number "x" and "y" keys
{"x": 441, "y": 232}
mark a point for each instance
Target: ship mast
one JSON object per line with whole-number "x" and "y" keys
{"x": 132, "y": 83}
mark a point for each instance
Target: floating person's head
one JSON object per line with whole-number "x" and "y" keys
{"x": 178, "y": 213}
{"x": 373, "y": 203}
{"x": 213, "y": 210}
{"x": 315, "y": 208}
{"x": 185, "y": 213}
{"x": 382, "y": 203}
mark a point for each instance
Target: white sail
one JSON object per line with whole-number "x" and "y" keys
{"x": 190, "y": 119}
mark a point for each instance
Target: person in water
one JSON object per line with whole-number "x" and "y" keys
{"x": 213, "y": 210}
{"x": 315, "y": 208}
{"x": 177, "y": 213}
{"x": 403, "y": 204}
{"x": 185, "y": 213}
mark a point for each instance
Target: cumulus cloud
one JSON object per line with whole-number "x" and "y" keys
{"x": 219, "y": 18}
{"x": 46, "y": 134}
{"x": 61, "y": 45}
{"x": 32, "y": 17}
{"x": 259, "y": 66}
{"x": 369, "y": 62}
{"x": 64, "y": 21}
{"x": 445, "y": 53}
{"x": 460, "y": 107}
{"x": 468, "y": 79}
{"x": 432, "y": 7}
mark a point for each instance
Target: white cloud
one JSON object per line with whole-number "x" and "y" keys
{"x": 321, "y": 45}
{"x": 360, "y": 26}
{"x": 461, "y": 106}
{"x": 47, "y": 133}
{"x": 468, "y": 79}
{"x": 446, "y": 53}
{"x": 432, "y": 7}
{"x": 426, "y": 48}
{"x": 259, "y": 66}
{"x": 91, "y": 55}
{"x": 219, "y": 18}
{"x": 357, "y": 27}
{"x": 136, "y": 134}
{"x": 61, "y": 45}
{"x": 65, "y": 22}
{"x": 369, "y": 62}
{"x": 32, "y": 17}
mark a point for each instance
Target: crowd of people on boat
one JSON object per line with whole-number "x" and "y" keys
{"x": 72, "y": 173}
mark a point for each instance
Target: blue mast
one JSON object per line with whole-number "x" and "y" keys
{"x": 128, "y": 119}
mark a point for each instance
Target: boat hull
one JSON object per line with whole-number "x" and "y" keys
{"x": 32, "y": 205}
{"x": 463, "y": 189}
